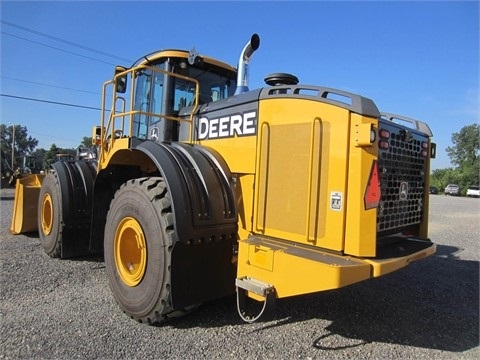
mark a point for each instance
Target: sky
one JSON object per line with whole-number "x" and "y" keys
{"x": 412, "y": 58}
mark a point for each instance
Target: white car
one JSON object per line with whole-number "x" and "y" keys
{"x": 473, "y": 191}
{"x": 452, "y": 189}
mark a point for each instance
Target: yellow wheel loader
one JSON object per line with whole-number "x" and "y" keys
{"x": 203, "y": 188}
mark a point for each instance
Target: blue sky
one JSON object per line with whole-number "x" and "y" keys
{"x": 418, "y": 59}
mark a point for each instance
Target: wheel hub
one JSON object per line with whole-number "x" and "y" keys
{"x": 130, "y": 251}
{"x": 46, "y": 215}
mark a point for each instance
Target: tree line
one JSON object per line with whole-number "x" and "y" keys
{"x": 464, "y": 155}
{"x": 14, "y": 140}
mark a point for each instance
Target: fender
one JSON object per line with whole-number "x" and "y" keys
{"x": 76, "y": 181}
{"x": 198, "y": 180}
{"x": 202, "y": 191}
{"x": 204, "y": 210}
{"x": 200, "y": 184}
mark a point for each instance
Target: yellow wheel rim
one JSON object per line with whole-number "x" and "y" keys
{"x": 47, "y": 214}
{"x": 130, "y": 251}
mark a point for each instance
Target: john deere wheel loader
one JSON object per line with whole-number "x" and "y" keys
{"x": 203, "y": 188}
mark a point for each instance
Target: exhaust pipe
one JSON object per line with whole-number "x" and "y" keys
{"x": 242, "y": 71}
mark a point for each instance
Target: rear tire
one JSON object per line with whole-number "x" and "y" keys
{"x": 50, "y": 216}
{"x": 138, "y": 240}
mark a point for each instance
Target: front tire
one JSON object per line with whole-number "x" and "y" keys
{"x": 139, "y": 236}
{"x": 50, "y": 216}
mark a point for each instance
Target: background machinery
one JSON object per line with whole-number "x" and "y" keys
{"x": 201, "y": 188}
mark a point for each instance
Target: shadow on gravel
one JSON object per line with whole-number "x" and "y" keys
{"x": 31, "y": 234}
{"x": 431, "y": 304}
{"x": 6, "y": 198}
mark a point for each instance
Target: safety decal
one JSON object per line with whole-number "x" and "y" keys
{"x": 336, "y": 199}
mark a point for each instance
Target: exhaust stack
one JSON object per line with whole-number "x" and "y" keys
{"x": 242, "y": 74}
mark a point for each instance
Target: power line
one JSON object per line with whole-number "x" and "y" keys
{"x": 51, "y": 102}
{"x": 53, "y": 47}
{"x": 55, "y": 86}
{"x": 51, "y": 136}
{"x": 65, "y": 41}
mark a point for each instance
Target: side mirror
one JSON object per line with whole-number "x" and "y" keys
{"x": 120, "y": 80}
{"x": 97, "y": 135}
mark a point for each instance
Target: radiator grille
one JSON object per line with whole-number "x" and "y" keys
{"x": 402, "y": 171}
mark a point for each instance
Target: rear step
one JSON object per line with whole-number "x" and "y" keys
{"x": 292, "y": 268}
{"x": 399, "y": 254}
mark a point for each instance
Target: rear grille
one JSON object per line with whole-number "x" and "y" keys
{"x": 402, "y": 171}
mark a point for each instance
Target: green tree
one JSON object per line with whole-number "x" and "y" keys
{"x": 50, "y": 156}
{"x": 55, "y": 153}
{"x": 466, "y": 146}
{"x": 442, "y": 177}
{"x": 39, "y": 154}
{"x": 22, "y": 143}
{"x": 86, "y": 142}
{"x": 465, "y": 154}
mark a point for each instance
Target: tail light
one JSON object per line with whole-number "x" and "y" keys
{"x": 424, "y": 149}
{"x": 384, "y": 137}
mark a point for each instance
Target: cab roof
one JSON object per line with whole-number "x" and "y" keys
{"x": 153, "y": 57}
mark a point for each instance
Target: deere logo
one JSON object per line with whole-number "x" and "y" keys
{"x": 243, "y": 124}
{"x": 403, "y": 190}
{"x": 407, "y": 136}
{"x": 154, "y": 134}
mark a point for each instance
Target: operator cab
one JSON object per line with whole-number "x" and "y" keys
{"x": 164, "y": 83}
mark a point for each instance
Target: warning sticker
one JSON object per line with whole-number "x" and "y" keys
{"x": 336, "y": 201}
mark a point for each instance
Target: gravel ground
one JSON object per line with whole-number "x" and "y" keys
{"x": 63, "y": 309}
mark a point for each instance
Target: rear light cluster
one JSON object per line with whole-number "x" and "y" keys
{"x": 385, "y": 142}
{"x": 384, "y": 137}
{"x": 424, "y": 148}
{"x": 402, "y": 162}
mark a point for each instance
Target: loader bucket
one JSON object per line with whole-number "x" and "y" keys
{"x": 25, "y": 205}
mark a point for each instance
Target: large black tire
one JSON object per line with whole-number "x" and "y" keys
{"x": 50, "y": 220}
{"x": 139, "y": 236}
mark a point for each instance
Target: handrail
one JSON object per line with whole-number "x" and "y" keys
{"x": 108, "y": 127}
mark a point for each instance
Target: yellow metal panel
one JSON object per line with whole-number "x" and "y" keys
{"x": 283, "y": 178}
{"x": 299, "y": 270}
{"x": 363, "y": 134}
{"x": 361, "y": 232}
{"x": 244, "y": 190}
{"x": 238, "y": 152}
{"x": 383, "y": 267}
{"x": 25, "y": 206}
{"x": 301, "y": 170}
{"x": 260, "y": 256}
{"x": 184, "y": 54}
{"x": 118, "y": 152}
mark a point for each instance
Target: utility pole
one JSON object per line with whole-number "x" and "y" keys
{"x": 13, "y": 145}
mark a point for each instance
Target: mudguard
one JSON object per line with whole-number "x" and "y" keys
{"x": 204, "y": 207}
{"x": 202, "y": 193}
{"x": 76, "y": 181}
{"x": 200, "y": 183}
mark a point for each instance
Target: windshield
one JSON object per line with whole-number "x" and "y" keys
{"x": 160, "y": 94}
{"x": 213, "y": 87}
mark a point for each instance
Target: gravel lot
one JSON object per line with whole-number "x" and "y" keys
{"x": 63, "y": 309}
